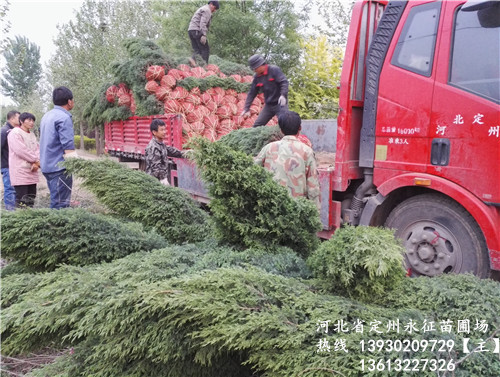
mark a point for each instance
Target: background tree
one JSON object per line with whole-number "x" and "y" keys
{"x": 315, "y": 78}
{"x": 23, "y": 69}
{"x": 4, "y": 9}
{"x": 86, "y": 47}
{"x": 238, "y": 30}
{"x": 336, "y": 17}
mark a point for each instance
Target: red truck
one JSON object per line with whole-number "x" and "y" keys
{"x": 417, "y": 138}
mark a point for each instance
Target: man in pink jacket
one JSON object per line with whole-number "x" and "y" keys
{"x": 24, "y": 160}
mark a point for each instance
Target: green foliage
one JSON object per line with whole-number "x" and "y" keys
{"x": 360, "y": 262}
{"x": 82, "y": 288}
{"x": 97, "y": 107}
{"x": 22, "y": 69}
{"x": 336, "y": 16}
{"x": 456, "y": 294}
{"x": 99, "y": 111}
{"x": 132, "y": 71}
{"x": 231, "y": 68}
{"x": 12, "y": 268}
{"x": 86, "y": 45}
{"x": 214, "y": 81}
{"x": 58, "y": 368}
{"x": 70, "y": 236}
{"x": 139, "y": 197}
{"x": 251, "y": 140}
{"x": 248, "y": 207}
{"x": 88, "y": 143}
{"x": 314, "y": 80}
{"x": 6, "y": 24}
{"x": 153, "y": 314}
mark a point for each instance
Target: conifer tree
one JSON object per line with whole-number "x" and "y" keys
{"x": 23, "y": 69}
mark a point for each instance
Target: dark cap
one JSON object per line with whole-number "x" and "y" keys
{"x": 256, "y": 61}
{"x": 214, "y": 3}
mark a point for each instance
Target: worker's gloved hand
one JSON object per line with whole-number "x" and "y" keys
{"x": 203, "y": 39}
{"x": 71, "y": 155}
{"x": 282, "y": 101}
{"x": 245, "y": 114}
{"x": 187, "y": 153}
{"x": 165, "y": 182}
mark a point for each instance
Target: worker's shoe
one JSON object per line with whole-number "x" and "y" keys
{"x": 192, "y": 62}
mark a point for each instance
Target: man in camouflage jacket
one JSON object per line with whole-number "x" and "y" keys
{"x": 291, "y": 161}
{"x": 157, "y": 153}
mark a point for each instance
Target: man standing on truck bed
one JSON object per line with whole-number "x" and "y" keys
{"x": 157, "y": 153}
{"x": 198, "y": 29}
{"x": 270, "y": 80}
{"x": 291, "y": 161}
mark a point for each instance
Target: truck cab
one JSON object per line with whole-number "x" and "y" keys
{"x": 418, "y": 144}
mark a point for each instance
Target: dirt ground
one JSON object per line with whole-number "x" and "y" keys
{"x": 79, "y": 197}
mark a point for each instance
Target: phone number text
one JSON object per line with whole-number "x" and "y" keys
{"x": 407, "y": 365}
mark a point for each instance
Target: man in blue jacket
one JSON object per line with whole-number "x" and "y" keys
{"x": 270, "y": 80}
{"x": 56, "y": 144}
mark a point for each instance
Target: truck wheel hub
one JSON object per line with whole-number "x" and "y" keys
{"x": 431, "y": 251}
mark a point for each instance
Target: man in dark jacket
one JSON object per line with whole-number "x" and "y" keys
{"x": 158, "y": 153}
{"x": 198, "y": 29}
{"x": 270, "y": 80}
{"x": 9, "y": 193}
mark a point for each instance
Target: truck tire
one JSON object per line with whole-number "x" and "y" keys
{"x": 439, "y": 236}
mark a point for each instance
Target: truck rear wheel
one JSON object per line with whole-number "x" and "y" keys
{"x": 439, "y": 236}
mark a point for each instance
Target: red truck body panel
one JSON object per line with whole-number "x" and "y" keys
{"x": 130, "y": 137}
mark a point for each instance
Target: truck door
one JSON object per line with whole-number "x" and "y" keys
{"x": 465, "y": 119}
{"x": 405, "y": 95}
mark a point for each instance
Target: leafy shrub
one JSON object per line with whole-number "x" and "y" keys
{"x": 230, "y": 68}
{"x": 213, "y": 81}
{"x": 139, "y": 197}
{"x": 80, "y": 289}
{"x": 252, "y": 140}
{"x": 458, "y": 293}
{"x": 12, "y": 268}
{"x": 361, "y": 262}
{"x": 99, "y": 111}
{"x": 249, "y": 208}
{"x": 88, "y": 143}
{"x": 70, "y": 236}
{"x": 123, "y": 321}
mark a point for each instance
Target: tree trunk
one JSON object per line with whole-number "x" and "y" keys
{"x": 82, "y": 144}
{"x": 102, "y": 143}
{"x": 97, "y": 141}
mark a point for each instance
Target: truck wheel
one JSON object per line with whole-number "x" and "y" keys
{"x": 439, "y": 236}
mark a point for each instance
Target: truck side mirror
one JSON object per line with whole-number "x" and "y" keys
{"x": 488, "y": 12}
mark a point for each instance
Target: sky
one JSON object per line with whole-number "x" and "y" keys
{"x": 37, "y": 21}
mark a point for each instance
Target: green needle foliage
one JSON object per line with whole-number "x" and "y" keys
{"x": 229, "y": 67}
{"x": 139, "y": 197}
{"x": 65, "y": 286}
{"x": 214, "y": 81}
{"x": 158, "y": 314}
{"x": 248, "y": 207}
{"x": 70, "y": 236}
{"x": 99, "y": 111}
{"x": 360, "y": 262}
{"x": 252, "y": 140}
